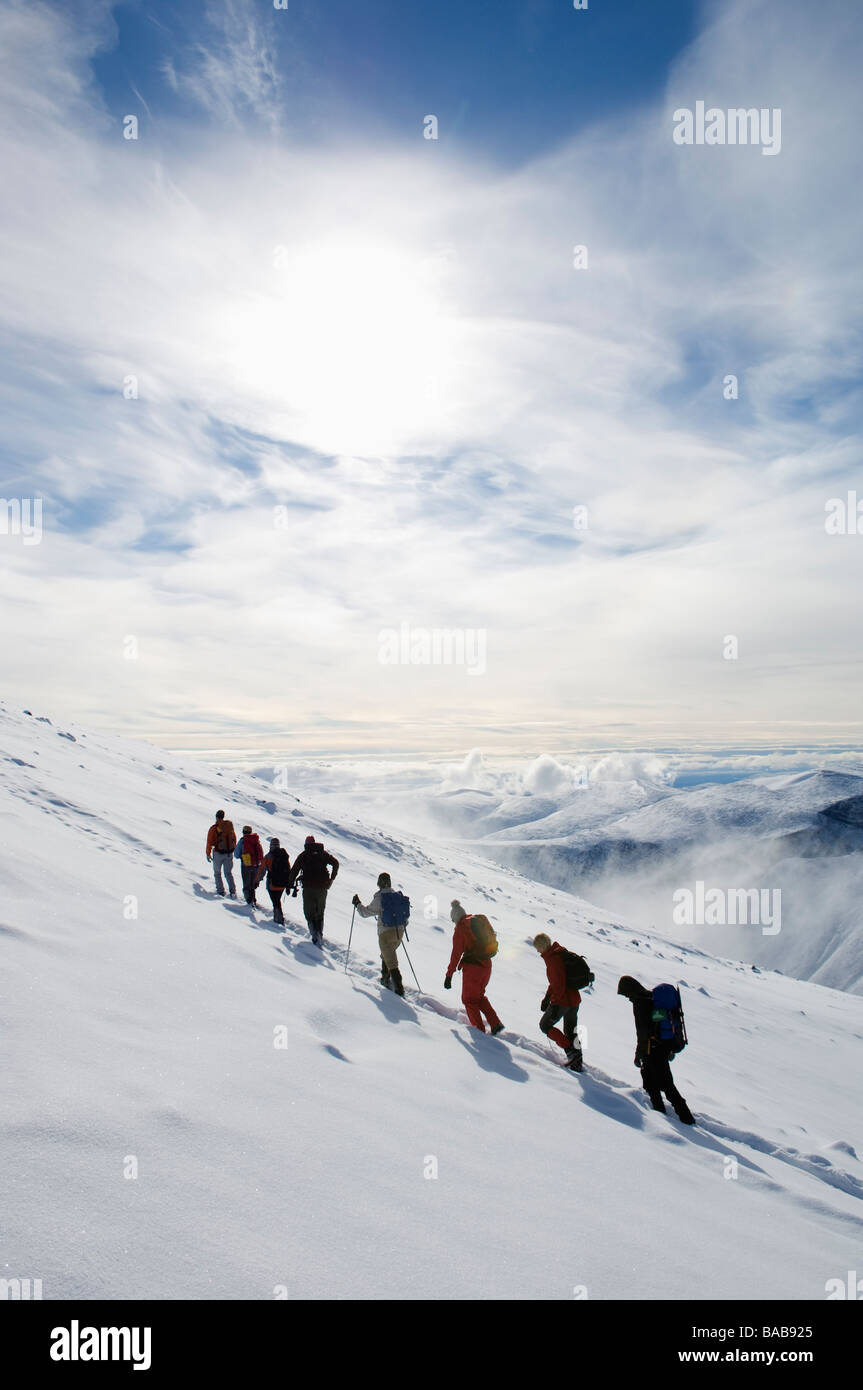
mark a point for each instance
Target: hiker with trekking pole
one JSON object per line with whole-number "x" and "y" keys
{"x": 392, "y": 910}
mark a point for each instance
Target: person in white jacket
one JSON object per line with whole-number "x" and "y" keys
{"x": 389, "y": 938}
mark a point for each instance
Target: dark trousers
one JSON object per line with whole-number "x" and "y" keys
{"x": 250, "y": 881}
{"x": 314, "y": 904}
{"x": 553, "y": 1014}
{"x": 656, "y": 1077}
{"x": 276, "y": 899}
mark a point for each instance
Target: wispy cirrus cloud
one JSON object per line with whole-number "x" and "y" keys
{"x": 398, "y": 353}
{"x": 232, "y": 72}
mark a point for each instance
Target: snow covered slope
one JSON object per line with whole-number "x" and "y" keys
{"x": 158, "y": 1142}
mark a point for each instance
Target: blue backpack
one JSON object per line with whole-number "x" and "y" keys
{"x": 667, "y": 1022}
{"x": 395, "y": 909}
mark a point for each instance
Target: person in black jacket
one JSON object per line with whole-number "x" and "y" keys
{"x": 278, "y": 867}
{"x": 313, "y": 864}
{"x": 652, "y": 1054}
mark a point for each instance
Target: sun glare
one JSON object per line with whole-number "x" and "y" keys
{"x": 353, "y": 344}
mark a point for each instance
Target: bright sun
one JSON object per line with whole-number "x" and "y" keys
{"x": 354, "y": 343}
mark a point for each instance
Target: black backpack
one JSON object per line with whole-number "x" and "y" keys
{"x": 578, "y": 973}
{"x": 280, "y": 867}
{"x": 314, "y": 867}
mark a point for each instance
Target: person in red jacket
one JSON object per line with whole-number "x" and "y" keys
{"x": 251, "y": 856}
{"x": 475, "y": 967}
{"x": 560, "y": 1003}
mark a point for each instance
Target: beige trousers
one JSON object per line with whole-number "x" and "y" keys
{"x": 389, "y": 941}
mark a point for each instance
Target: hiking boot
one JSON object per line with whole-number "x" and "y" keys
{"x": 395, "y": 982}
{"x": 498, "y": 1028}
{"x": 657, "y": 1103}
{"x": 574, "y": 1058}
{"x": 684, "y": 1114}
{"x": 385, "y": 975}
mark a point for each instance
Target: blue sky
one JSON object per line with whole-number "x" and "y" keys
{"x": 287, "y": 377}
{"x": 506, "y": 78}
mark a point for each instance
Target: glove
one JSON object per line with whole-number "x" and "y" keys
{"x": 544, "y": 1005}
{"x": 639, "y": 1060}
{"x": 209, "y": 861}
{"x": 356, "y": 900}
{"x": 447, "y": 984}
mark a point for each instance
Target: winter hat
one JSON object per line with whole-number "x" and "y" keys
{"x": 275, "y": 842}
{"x": 630, "y": 988}
{"x": 247, "y": 830}
{"x": 384, "y": 881}
{"x": 456, "y": 910}
{"x": 542, "y": 942}
{"x": 309, "y": 841}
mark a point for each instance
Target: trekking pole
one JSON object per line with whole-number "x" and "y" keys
{"x": 413, "y": 972}
{"x": 350, "y": 934}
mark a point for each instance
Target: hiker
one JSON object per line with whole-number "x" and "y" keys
{"x": 221, "y": 842}
{"x": 251, "y": 855}
{"x": 561, "y": 1001}
{"x": 278, "y": 867}
{"x": 473, "y": 945}
{"x": 311, "y": 865}
{"x": 660, "y": 1035}
{"x": 392, "y": 911}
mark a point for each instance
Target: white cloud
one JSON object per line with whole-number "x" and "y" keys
{"x": 428, "y": 387}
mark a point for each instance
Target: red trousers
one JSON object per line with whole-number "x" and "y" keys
{"x": 474, "y": 979}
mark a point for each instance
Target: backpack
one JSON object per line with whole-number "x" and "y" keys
{"x": 395, "y": 908}
{"x": 578, "y": 973}
{"x": 223, "y": 835}
{"x": 314, "y": 867}
{"x": 280, "y": 867}
{"x": 485, "y": 941}
{"x": 666, "y": 1021}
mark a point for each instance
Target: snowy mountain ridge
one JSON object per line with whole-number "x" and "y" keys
{"x": 200, "y": 1105}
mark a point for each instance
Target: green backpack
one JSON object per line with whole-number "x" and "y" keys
{"x": 485, "y": 941}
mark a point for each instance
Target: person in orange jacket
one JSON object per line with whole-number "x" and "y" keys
{"x": 251, "y": 856}
{"x": 221, "y": 842}
{"x": 560, "y": 1003}
{"x": 469, "y": 956}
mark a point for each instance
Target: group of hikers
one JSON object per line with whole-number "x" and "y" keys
{"x": 659, "y": 1024}
{"x": 314, "y": 867}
